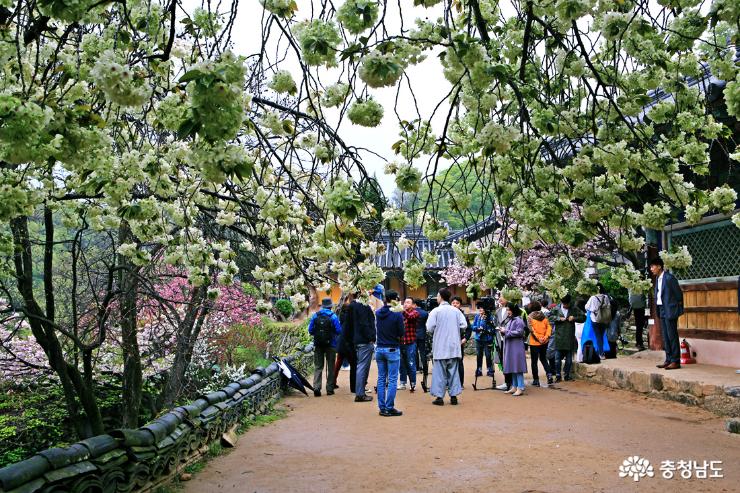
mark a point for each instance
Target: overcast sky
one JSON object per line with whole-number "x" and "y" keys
{"x": 426, "y": 78}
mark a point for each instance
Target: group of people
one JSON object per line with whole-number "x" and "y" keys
{"x": 398, "y": 339}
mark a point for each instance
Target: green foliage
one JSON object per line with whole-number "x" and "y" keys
{"x": 372, "y": 195}
{"x": 250, "y": 357}
{"x": 285, "y": 307}
{"x": 614, "y": 289}
{"x": 250, "y": 290}
{"x": 472, "y": 192}
{"x": 214, "y": 450}
{"x": 343, "y": 200}
{"x": 34, "y": 418}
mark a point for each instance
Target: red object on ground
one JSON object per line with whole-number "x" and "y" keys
{"x": 686, "y": 353}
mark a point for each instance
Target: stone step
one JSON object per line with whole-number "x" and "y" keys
{"x": 718, "y": 399}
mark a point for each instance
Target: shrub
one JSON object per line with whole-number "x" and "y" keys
{"x": 614, "y": 289}
{"x": 285, "y": 307}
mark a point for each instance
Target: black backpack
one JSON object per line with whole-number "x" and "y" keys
{"x": 323, "y": 330}
{"x": 590, "y": 357}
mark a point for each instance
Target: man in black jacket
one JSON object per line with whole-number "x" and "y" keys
{"x": 346, "y": 346}
{"x": 362, "y": 320}
{"x": 669, "y": 303}
{"x": 421, "y": 337}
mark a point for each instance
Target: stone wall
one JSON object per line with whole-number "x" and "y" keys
{"x": 723, "y": 401}
{"x": 138, "y": 460}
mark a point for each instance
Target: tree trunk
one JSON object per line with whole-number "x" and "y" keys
{"x": 186, "y": 339}
{"x": 76, "y": 393}
{"x": 132, "y": 372}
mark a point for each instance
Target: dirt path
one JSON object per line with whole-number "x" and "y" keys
{"x": 569, "y": 438}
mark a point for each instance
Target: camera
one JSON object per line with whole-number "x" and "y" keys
{"x": 487, "y": 303}
{"x": 430, "y": 303}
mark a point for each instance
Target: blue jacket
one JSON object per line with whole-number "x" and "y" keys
{"x": 421, "y": 324}
{"x": 672, "y": 296}
{"x": 479, "y": 324}
{"x": 389, "y": 327}
{"x": 334, "y": 320}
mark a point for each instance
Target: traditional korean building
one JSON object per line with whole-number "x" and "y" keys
{"x": 393, "y": 259}
{"x": 711, "y": 286}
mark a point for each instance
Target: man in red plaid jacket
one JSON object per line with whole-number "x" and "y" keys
{"x": 408, "y": 345}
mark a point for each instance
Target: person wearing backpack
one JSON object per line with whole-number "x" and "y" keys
{"x": 599, "y": 307}
{"x": 325, "y": 328}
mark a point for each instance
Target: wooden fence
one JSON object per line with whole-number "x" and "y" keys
{"x": 710, "y": 311}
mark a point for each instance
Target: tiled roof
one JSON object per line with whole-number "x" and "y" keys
{"x": 393, "y": 259}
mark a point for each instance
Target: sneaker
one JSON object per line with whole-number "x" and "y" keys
{"x": 363, "y": 398}
{"x": 391, "y": 412}
{"x": 535, "y": 383}
{"x": 329, "y": 392}
{"x": 478, "y": 373}
{"x": 549, "y": 380}
{"x": 317, "y": 393}
{"x": 490, "y": 372}
{"x": 438, "y": 402}
{"x": 453, "y": 400}
{"x": 558, "y": 379}
{"x": 401, "y": 386}
{"x": 413, "y": 388}
{"x": 518, "y": 392}
{"x": 503, "y": 387}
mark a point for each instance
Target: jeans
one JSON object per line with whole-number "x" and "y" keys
{"x": 388, "y": 360}
{"x": 446, "y": 377}
{"x": 480, "y": 348}
{"x": 321, "y": 354}
{"x": 669, "y": 331}
{"x": 364, "y": 358}
{"x": 517, "y": 380}
{"x": 421, "y": 355}
{"x": 559, "y": 355}
{"x": 539, "y": 352}
{"x": 408, "y": 363}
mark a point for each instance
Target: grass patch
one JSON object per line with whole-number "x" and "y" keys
{"x": 169, "y": 488}
{"x": 195, "y": 467}
{"x": 214, "y": 450}
{"x": 261, "y": 420}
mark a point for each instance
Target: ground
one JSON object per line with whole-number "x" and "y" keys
{"x": 572, "y": 437}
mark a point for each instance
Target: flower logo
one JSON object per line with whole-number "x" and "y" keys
{"x": 636, "y": 467}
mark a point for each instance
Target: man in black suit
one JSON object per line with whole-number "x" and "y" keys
{"x": 669, "y": 302}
